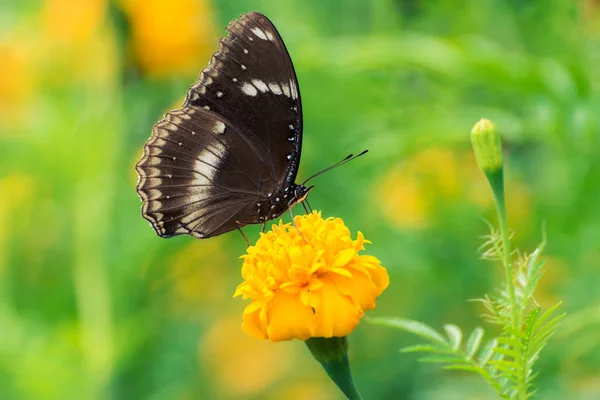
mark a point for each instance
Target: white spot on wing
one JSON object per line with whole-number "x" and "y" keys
{"x": 260, "y": 85}
{"x": 206, "y": 165}
{"x": 243, "y": 66}
{"x": 286, "y": 89}
{"x": 249, "y": 89}
{"x": 274, "y": 87}
{"x": 154, "y": 194}
{"x": 293, "y": 90}
{"x": 154, "y": 161}
{"x": 219, "y": 94}
{"x": 245, "y": 51}
{"x": 259, "y": 33}
{"x": 219, "y": 127}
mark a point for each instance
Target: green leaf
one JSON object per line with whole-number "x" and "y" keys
{"x": 540, "y": 338}
{"x": 454, "y": 335}
{"x": 466, "y": 367}
{"x": 515, "y": 332}
{"x": 474, "y": 341}
{"x": 530, "y": 320}
{"x": 487, "y": 352}
{"x": 507, "y": 369}
{"x": 511, "y": 342}
{"x": 507, "y": 352}
{"x": 442, "y": 359}
{"x": 426, "y": 348}
{"x": 545, "y": 316}
{"x": 416, "y": 327}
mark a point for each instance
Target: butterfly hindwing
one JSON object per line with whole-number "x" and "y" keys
{"x": 192, "y": 176}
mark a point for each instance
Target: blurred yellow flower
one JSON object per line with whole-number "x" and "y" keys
{"x": 196, "y": 274}
{"x": 411, "y": 192}
{"x": 408, "y": 193}
{"x": 305, "y": 390}
{"x": 17, "y": 83}
{"x": 77, "y": 44}
{"x": 310, "y": 285}
{"x": 239, "y": 366}
{"x": 72, "y": 22}
{"x": 171, "y": 37}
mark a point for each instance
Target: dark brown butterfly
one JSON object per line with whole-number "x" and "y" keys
{"x": 229, "y": 156}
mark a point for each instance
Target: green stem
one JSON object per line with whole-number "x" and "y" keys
{"x": 496, "y": 180}
{"x": 332, "y": 353}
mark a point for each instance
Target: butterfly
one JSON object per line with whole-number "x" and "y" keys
{"x": 229, "y": 156}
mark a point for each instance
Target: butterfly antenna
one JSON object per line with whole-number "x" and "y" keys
{"x": 348, "y": 158}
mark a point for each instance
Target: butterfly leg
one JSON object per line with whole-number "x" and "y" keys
{"x": 305, "y": 209}
{"x": 307, "y": 204}
{"x": 264, "y": 226}
{"x": 244, "y": 236}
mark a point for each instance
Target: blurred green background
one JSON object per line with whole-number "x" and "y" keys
{"x": 93, "y": 305}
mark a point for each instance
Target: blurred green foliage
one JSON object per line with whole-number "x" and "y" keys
{"x": 94, "y": 305}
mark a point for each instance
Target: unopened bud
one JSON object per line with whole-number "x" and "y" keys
{"x": 487, "y": 146}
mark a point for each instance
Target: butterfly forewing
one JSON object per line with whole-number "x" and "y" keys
{"x": 251, "y": 81}
{"x": 230, "y": 155}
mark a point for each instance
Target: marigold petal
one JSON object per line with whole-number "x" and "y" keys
{"x": 343, "y": 257}
{"x": 252, "y": 326}
{"x": 336, "y": 314}
{"x": 255, "y": 306}
{"x": 289, "y": 318}
{"x": 360, "y": 288}
{"x": 358, "y": 243}
{"x": 341, "y": 271}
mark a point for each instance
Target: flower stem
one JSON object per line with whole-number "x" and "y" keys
{"x": 332, "y": 353}
{"x": 496, "y": 180}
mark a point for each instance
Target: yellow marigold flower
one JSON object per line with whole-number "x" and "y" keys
{"x": 310, "y": 285}
{"x": 171, "y": 37}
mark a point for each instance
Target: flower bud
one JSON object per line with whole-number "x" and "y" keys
{"x": 487, "y": 146}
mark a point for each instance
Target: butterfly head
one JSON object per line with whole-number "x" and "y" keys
{"x": 300, "y": 193}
